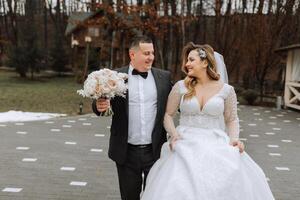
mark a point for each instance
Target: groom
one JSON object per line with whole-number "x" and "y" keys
{"x": 137, "y": 132}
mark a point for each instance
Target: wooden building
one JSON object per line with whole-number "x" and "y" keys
{"x": 292, "y": 76}
{"x": 81, "y": 32}
{"x": 107, "y": 33}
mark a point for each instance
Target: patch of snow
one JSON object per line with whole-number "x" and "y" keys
{"x": 20, "y": 116}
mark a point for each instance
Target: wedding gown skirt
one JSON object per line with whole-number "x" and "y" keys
{"x": 203, "y": 166}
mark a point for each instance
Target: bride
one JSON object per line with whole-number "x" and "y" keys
{"x": 204, "y": 159}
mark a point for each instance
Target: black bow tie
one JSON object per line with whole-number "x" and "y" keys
{"x": 142, "y": 74}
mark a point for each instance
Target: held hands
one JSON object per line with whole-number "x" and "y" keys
{"x": 102, "y": 104}
{"x": 238, "y": 144}
{"x": 173, "y": 140}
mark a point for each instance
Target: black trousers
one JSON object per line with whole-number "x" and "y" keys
{"x": 138, "y": 163}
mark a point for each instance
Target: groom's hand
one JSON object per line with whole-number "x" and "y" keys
{"x": 102, "y": 104}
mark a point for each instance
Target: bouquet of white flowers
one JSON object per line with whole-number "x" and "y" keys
{"x": 104, "y": 83}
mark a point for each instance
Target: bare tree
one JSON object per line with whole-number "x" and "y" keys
{"x": 13, "y": 20}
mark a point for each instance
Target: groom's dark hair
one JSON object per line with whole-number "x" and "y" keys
{"x": 139, "y": 39}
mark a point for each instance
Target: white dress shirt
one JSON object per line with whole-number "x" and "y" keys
{"x": 142, "y": 100}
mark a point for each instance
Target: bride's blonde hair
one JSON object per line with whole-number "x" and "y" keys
{"x": 190, "y": 82}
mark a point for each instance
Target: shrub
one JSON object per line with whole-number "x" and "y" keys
{"x": 239, "y": 90}
{"x": 250, "y": 96}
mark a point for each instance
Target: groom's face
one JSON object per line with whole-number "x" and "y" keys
{"x": 142, "y": 57}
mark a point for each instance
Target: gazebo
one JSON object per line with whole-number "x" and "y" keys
{"x": 292, "y": 76}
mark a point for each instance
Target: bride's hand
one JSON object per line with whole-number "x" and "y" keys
{"x": 238, "y": 144}
{"x": 173, "y": 140}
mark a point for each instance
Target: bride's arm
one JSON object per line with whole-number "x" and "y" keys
{"x": 172, "y": 107}
{"x": 231, "y": 117}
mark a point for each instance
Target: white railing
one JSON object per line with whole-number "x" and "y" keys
{"x": 292, "y": 95}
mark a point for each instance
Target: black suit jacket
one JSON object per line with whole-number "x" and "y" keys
{"x": 119, "y": 127}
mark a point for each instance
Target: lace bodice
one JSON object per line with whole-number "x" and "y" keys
{"x": 219, "y": 112}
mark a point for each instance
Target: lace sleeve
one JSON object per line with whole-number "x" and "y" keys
{"x": 172, "y": 107}
{"x": 230, "y": 116}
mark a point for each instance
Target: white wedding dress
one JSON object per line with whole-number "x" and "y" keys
{"x": 203, "y": 165}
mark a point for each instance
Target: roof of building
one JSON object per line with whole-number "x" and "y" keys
{"x": 289, "y": 47}
{"x": 76, "y": 18}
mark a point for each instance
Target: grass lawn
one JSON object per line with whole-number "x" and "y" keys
{"x": 45, "y": 94}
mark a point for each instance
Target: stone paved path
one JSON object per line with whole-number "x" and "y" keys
{"x": 66, "y": 158}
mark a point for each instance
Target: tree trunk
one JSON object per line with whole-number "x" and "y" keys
{"x": 13, "y": 22}
{"x": 170, "y": 50}
{"x": 260, "y": 6}
{"x": 46, "y": 34}
{"x": 218, "y": 6}
{"x": 188, "y": 14}
{"x": 112, "y": 56}
{"x": 31, "y": 74}
{"x": 270, "y": 6}
{"x": 160, "y": 53}
{"x": 182, "y": 23}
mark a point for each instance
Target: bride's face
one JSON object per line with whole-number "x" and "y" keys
{"x": 194, "y": 64}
